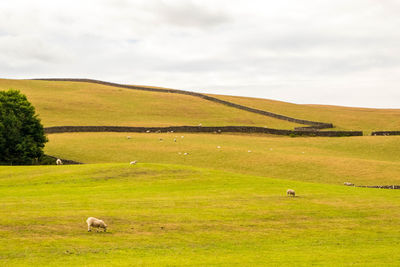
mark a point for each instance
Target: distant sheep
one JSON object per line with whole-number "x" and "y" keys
{"x": 133, "y": 162}
{"x": 96, "y": 223}
{"x": 59, "y": 162}
{"x": 290, "y": 192}
{"x": 348, "y": 184}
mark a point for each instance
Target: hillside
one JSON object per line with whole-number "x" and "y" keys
{"x": 171, "y": 215}
{"x": 77, "y": 103}
{"x": 199, "y": 198}
{"x": 343, "y": 118}
{"x": 367, "y": 160}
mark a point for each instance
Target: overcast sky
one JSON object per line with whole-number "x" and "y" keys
{"x": 337, "y": 52}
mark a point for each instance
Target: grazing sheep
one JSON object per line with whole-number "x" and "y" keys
{"x": 59, "y": 162}
{"x": 128, "y": 137}
{"x": 174, "y": 139}
{"x": 348, "y": 184}
{"x": 249, "y": 151}
{"x": 200, "y": 124}
{"x": 218, "y": 147}
{"x": 96, "y": 223}
{"x": 290, "y": 192}
{"x": 147, "y": 131}
{"x": 161, "y": 140}
{"x": 133, "y": 162}
{"x": 182, "y": 136}
{"x": 185, "y": 153}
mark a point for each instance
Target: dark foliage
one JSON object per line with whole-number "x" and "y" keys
{"x": 22, "y": 135}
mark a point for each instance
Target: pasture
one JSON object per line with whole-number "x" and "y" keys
{"x": 366, "y": 160}
{"x": 343, "y": 118}
{"x": 173, "y": 215}
{"x": 199, "y": 199}
{"x": 77, "y": 103}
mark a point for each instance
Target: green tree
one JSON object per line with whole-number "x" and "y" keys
{"x": 22, "y": 135}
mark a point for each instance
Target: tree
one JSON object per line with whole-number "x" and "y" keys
{"x": 22, "y": 135}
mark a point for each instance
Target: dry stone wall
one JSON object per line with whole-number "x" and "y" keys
{"x": 386, "y": 133}
{"x": 198, "y": 129}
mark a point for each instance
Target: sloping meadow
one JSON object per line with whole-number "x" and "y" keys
{"x": 368, "y": 160}
{"x": 160, "y": 214}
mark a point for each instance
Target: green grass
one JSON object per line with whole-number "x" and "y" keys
{"x": 77, "y": 103}
{"x": 169, "y": 215}
{"x": 215, "y": 206}
{"x": 343, "y": 118}
{"x": 368, "y": 160}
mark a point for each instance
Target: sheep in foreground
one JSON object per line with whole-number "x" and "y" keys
{"x": 59, "y": 162}
{"x": 290, "y": 192}
{"x": 96, "y": 223}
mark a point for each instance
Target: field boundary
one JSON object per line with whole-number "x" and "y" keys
{"x": 378, "y": 186}
{"x": 198, "y": 129}
{"x": 385, "y": 133}
{"x": 315, "y": 125}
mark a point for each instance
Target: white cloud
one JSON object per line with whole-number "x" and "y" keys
{"x": 329, "y": 52}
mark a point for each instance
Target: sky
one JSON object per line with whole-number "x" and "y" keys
{"x": 337, "y": 52}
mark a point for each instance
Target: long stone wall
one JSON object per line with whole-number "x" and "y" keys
{"x": 376, "y": 186}
{"x": 386, "y": 133}
{"x": 198, "y": 129}
{"x": 320, "y": 125}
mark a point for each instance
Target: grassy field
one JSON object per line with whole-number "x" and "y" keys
{"x": 204, "y": 199}
{"x": 343, "y": 118}
{"x": 368, "y": 160}
{"x": 76, "y": 103}
{"x": 170, "y": 215}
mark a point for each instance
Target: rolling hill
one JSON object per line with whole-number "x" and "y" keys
{"x": 78, "y": 104}
{"x": 199, "y": 198}
{"x": 343, "y": 118}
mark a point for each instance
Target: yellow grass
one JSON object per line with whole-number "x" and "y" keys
{"x": 367, "y": 160}
{"x": 77, "y": 103}
{"x": 343, "y": 118}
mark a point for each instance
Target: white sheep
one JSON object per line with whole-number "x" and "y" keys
{"x": 290, "y": 192}
{"x": 96, "y": 223}
{"x": 59, "y": 162}
{"x": 348, "y": 184}
{"x": 133, "y": 162}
